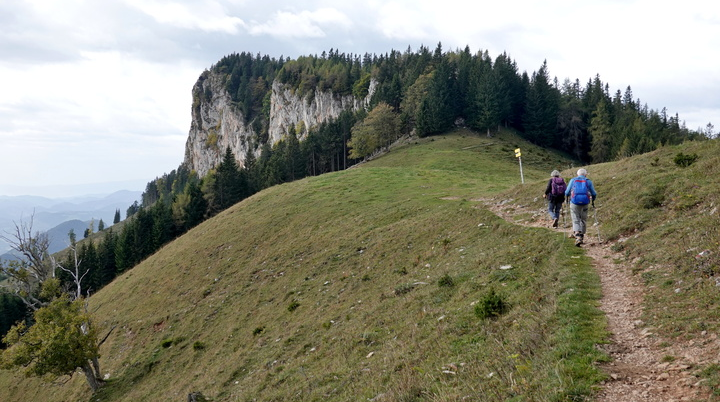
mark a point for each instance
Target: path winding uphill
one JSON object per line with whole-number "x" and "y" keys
{"x": 640, "y": 369}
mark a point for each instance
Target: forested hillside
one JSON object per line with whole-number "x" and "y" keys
{"x": 414, "y": 94}
{"x": 419, "y": 92}
{"x": 431, "y": 90}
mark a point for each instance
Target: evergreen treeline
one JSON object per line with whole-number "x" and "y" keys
{"x": 429, "y": 92}
{"x": 432, "y": 91}
{"x": 176, "y": 202}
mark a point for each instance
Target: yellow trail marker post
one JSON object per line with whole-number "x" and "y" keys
{"x": 517, "y": 155}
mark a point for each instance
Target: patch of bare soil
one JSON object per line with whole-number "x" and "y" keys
{"x": 644, "y": 367}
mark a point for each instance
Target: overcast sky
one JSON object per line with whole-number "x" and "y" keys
{"x": 100, "y": 91}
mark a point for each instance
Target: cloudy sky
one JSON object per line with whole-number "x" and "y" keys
{"x": 98, "y": 92}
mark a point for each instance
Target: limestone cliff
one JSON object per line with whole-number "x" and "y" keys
{"x": 217, "y": 123}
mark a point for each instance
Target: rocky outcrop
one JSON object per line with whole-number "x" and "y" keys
{"x": 217, "y": 123}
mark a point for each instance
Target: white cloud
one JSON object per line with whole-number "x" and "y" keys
{"x": 68, "y": 121}
{"x": 206, "y": 15}
{"x": 107, "y": 84}
{"x": 304, "y": 24}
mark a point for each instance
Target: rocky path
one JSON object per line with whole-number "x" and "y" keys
{"x": 644, "y": 367}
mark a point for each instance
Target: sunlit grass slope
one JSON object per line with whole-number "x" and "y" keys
{"x": 664, "y": 219}
{"x": 358, "y": 285}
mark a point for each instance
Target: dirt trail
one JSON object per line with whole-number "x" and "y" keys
{"x": 644, "y": 367}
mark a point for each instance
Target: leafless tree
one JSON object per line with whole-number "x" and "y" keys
{"x": 73, "y": 271}
{"x": 34, "y": 265}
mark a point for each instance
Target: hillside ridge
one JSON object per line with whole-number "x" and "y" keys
{"x": 637, "y": 371}
{"x": 362, "y": 283}
{"x": 376, "y": 282}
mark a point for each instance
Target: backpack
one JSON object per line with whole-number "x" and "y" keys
{"x": 557, "y": 187}
{"x": 579, "y": 194}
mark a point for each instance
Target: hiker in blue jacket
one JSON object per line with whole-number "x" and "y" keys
{"x": 580, "y": 192}
{"x": 555, "y": 194}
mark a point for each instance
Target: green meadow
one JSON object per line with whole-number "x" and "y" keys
{"x": 386, "y": 282}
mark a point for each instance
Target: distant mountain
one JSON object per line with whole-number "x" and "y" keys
{"x": 57, "y": 213}
{"x": 58, "y": 235}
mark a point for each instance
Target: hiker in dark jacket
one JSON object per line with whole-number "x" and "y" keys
{"x": 555, "y": 194}
{"x": 580, "y": 192}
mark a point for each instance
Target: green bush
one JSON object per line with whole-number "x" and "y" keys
{"x": 685, "y": 160}
{"x": 491, "y": 305}
{"x": 653, "y": 198}
{"x": 293, "y": 306}
{"x": 167, "y": 342}
{"x": 446, "y": 281}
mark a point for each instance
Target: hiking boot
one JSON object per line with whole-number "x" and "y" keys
{"x": 578, "y": 240}
{"x": 555, "y": 223}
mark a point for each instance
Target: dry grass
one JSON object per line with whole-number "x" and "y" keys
{"x": 358, "y": 285}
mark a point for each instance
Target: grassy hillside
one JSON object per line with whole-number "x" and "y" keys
{"x": 367, "y": 284}
{"x": 664, "y": 218}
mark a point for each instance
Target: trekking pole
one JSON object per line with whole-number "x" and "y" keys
{"x": 565, "y": 223}
{"x": 597, "y": 224}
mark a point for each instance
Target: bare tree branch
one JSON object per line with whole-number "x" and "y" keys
{"x": 26, "y": 275}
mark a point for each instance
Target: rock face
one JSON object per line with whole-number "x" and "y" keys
{"x": 217, "y": 123}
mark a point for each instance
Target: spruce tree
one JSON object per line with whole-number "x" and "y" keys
{"x": 571, "y": 123}
{"x": 250, "y": 170}
{"x": 227, "y": 182}
{"x": 485, "y": 108}
{"x": 437, "y": 113}
{"x": 107, "y": 267}
{"x": 512, "y": 92}
{"x": 541, "y": 110}
{"x": 600, "y": 131}
{"x": 89, "y": 268}
{"x": 196, "y": 206}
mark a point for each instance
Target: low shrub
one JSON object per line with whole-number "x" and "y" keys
{"x": 491, "y": 305}
{"x": 446, "y": 281}
{"x": 684, "y": 160}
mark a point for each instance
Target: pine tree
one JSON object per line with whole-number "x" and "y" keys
{"x": 541, "y": 110}
{"x": 512, "y": 90}
{"x": 250, "y": 170}
{"x": 485, "y": 108}
{"x": 89, "y": 268}
{"x": 600, "y": 131}
{"x": 116, "y": 219}
{"x": 196, "y": 206}
{"x": 571, "y": 123}
{"x": 107, "y": 267}
{"x": 437, "y": 113}
{"x": 132, "y": 209}
{"x": 163, "y": 227}
{"x": 227, "y": 182}
{"x": 295, "y": 160}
